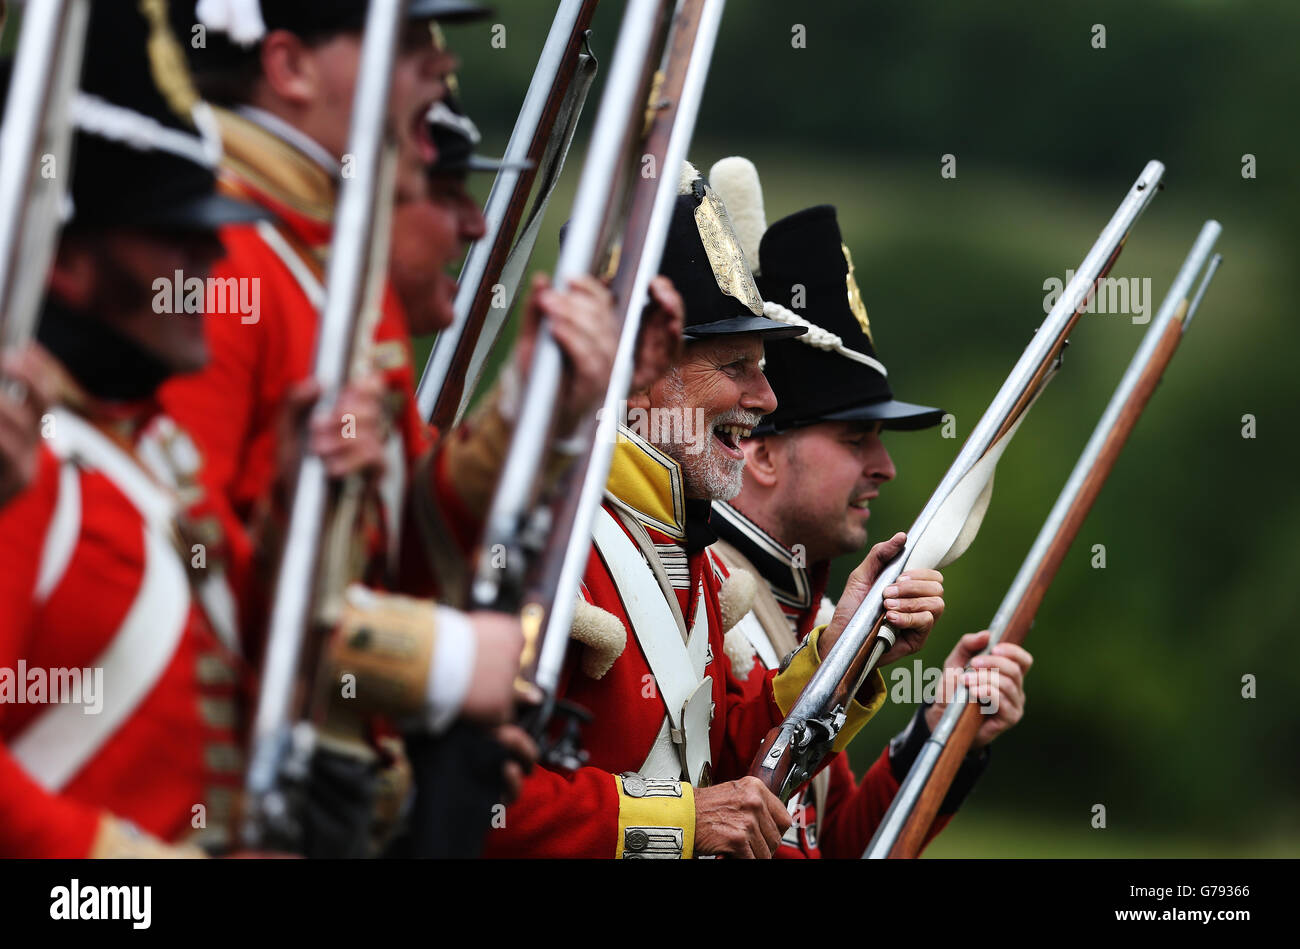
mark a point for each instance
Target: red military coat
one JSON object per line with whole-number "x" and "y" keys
{"x": 795, "y": 603}
{"x": 234, "y": 406}
{"x": 95, "y": 576}
{"x": 594, "y": 812}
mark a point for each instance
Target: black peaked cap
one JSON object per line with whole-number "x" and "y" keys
{"x": 804, "y": 260}
{"x": 712, "y": 309}
{"x": 456, "y": 136}
{"x": 307, "y": 18}
{"x": 138, "y": 158}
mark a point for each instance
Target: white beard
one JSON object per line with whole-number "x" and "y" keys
{"x": 706, "y": 473}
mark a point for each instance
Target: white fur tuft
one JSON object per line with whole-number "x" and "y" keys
{"x": 690, "y": 174}
{"x": 736, "y": 182}
{"x": 241, "y": 20}
{"x": 603, "y": 635}
{"x": 825, "y": 612}
{"x": 736, "y": 597}
{"x": 740, "y": 653}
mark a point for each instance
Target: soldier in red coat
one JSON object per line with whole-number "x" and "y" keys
{"x": 120, "y": 679}
{"x": 674, "y": 727}
{"x": 283, "y": 84}
{"x": 834, "y": 401}
{"x": 283, "y": 88}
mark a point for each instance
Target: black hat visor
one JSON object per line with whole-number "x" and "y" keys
{"x": 208, "y": 212}
{"x": 447, "y": 11}
{"x": 736, "y": 325}
{"x": 895, "y": 415}
{"x": 901, "y": 416}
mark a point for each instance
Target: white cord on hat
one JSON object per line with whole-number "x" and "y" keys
{"x": 818, "y": 337}
{"x": 136, "y": 130}
{"x": 442, "y": 114}
{"x": 241, "y": 20}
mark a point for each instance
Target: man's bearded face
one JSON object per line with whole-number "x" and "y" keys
{"x": 702, "y": 408}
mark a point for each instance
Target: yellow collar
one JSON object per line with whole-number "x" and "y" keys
{"x": 647, "y": 484}
{"x": 271, "y": 165}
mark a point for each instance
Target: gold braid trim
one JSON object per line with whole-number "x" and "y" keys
{"x": 167, "y": 61}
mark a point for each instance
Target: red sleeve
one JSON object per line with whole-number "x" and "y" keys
{"x": 751, "y": 714}
{"x": 37, "y": 824}
{"x": 854, "y": 811}
{"x": 751, "y": 707}
{"x": 559, "y": 816}
{"x": 33, "y": 822}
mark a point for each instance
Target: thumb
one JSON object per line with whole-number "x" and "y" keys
{"x": 881, "y": 554}
{"x": 967, "y": 647}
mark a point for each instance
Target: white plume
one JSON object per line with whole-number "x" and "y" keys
{"x": 690, "y": 174}
{"x": 241, "y": 20}
{"x": 735, "y": 180}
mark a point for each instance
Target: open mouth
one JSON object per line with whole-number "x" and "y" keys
{"x": 729, "y": 436}
{"x": 863, "y": 503}
{"x": 422, "y": 136}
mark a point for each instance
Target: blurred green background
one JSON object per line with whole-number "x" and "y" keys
{"x": 1135, "y": 700}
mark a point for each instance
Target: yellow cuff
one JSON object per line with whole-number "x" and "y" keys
{"x": 790, "y": 682}
{"x": 656, "y": 819}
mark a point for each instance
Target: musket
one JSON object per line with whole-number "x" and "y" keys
{"x": 904, "y": 828}
{"x": 282, "y": 742}
{"x": 791, "y": 752}
{"x": 515, "y": 527}
{"x": 37, "y": 132}
{"x": 538, "y": 146}
{"x": 551, "y": 596}
{"x": 453, "y": 773}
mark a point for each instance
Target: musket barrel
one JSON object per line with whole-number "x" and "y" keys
{"x": 1020, "y": 383}
{"x": 1128, "y": 384}
{"x": 44, "y": 79}
{"x": 346, "y": 277}
{"x": 515, "y": 177}
{"x": 1010, "y": 622}
{"x": 619, "y": 119}
{"x": 578, "y": 547}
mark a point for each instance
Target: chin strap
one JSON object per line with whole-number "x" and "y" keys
{"x": 107, "y": 364}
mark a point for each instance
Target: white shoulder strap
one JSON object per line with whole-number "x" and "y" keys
{"x": 392, "y": 485}
{"x": 678, "y": 667}
{"x": 62, "y": 535}
{"x": 757, "y": 636}
{"x": 307, "y": 280}
{"x": 58, "y": 742}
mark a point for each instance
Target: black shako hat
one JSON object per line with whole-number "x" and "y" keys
{"x": 146, "y": 149}
{"x": 233, "y": 29}
{"x": 833, "y": 373}
{"x": 703, "y": 259}
{"x": 456, "y": 136}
